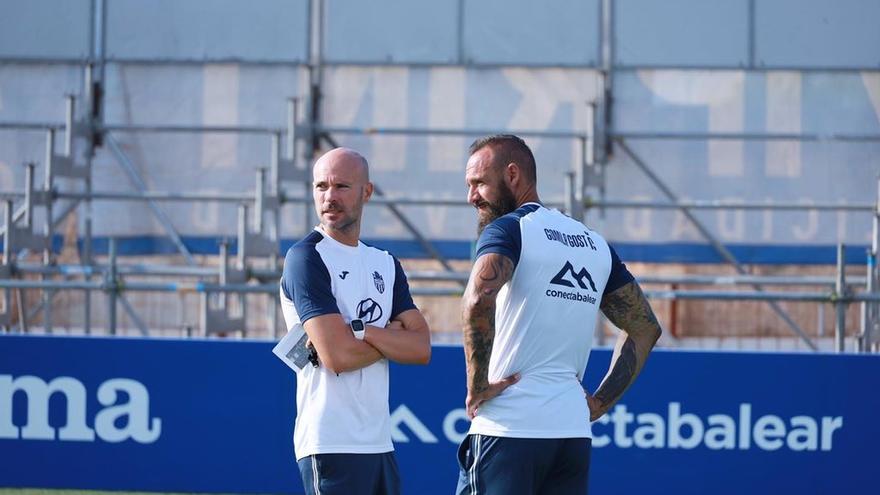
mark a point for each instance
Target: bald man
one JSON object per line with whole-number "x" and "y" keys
{"x": 354, "y": 303}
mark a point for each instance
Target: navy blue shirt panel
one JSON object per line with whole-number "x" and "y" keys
{"x": 503, "y": 235}
{"x": 306, "y": 281}
{"x": 620, "y": 275}
{"x": 402, "y": 300}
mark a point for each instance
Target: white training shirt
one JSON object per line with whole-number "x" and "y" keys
{"x": 544, "y": 322}
{"x": 348, "y": 412}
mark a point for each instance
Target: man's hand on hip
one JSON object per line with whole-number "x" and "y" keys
{"x": 494, "y": 389}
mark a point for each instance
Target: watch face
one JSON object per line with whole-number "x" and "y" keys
{"x": 357, "y": 325}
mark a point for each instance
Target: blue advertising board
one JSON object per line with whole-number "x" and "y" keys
{"x": 217, "y": 416}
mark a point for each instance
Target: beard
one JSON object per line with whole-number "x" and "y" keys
{"x": 505, "y": 204}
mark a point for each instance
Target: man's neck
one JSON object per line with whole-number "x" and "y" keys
{"x": 348, "y": 237}
{"x": 530, "y": 196}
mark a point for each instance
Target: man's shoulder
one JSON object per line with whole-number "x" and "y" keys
{"x": 305, "y": 245}
{"x": 304, "y": 251}
{"x": 510, "y": 222}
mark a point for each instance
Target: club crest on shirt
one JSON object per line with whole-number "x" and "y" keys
{"x": 379, "y": 282}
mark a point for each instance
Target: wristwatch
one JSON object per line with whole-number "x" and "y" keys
{"x": 358, "y": 328}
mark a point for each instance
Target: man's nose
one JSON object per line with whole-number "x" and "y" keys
{"x": 473, "y": 197}
{"x": 331, "y": 194}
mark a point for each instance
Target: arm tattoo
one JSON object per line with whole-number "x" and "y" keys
{"x": 628, "y": 309}
{"x": 621, "y": 374}
{"x": 490, "y": 273}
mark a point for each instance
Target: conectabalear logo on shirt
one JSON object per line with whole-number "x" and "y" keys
{"x": 567, "y": 277}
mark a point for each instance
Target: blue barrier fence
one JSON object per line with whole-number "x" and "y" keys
{"x": 217, "y": 416}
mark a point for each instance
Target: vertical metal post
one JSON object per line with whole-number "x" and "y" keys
{"x": 865, "y": 337}
{"x": 49, "y": 229}
{"x": 112, "y": 288}
{"x": 275, "y": 164}
{"x": 242, "y": 234}
{"x": 7, "y": 234}
{"x": 751, "y": 34}
{"x": 22, "y": 314}
{"x": 580, "y": 179}
{"x": 68, "y": 125}
{"x": 871, "y": 309}
{"x": 259, "y": 200}
{"x": 293, "y": 109}
{"x": 598, "y": 165}
{"x": 607, "y": 41}
{"x": 7, "y": 250}
{"x": 840, "y": 306}
{"x": 48, "y": 185}
{"x": 223, "y": 276}
{"x": 86, "y": 257}
{"x": 292, "y": 117}
{"x": 28, "y": 195}
{"x": 571, "y": 208}
{"x": 7, "y": 255}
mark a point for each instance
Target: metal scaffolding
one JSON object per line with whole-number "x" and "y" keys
{"x": 222, "y": 290}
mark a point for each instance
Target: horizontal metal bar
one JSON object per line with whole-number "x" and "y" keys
{"x": 31, "y": 126}
{"x": 122, "y": 269}
{"x": 183, "y": 287}
{"x": 623, "y": 67}
{"x": 433, "y": 276}
{"x": 745, "y": 136}
{"x": 238, "y": 129}
{"x": 238, "y": 198}
{"x": 46, "y": 60}
{"x": 414, "y": 131}
{"x": 761, "y": 296}
{"x": 745, "y": 280}
{"x": 456, "y": 63}
{"x": 50, "y": 284}
{"x": 206, "y": 60}
{"x": 727, "y": 205}
{"x": 138, "y": 286}
{"x": 440, "y": 276}
{"x": 228, "y": 129}
{"x": 157, "y": 196}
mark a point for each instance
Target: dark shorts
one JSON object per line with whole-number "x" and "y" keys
{"x": 350, "y": 474}
{"x": 527, "y": 466}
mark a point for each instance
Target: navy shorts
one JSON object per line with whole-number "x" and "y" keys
{"x": 350, "y": 474}
{"x": 527, "y": 466}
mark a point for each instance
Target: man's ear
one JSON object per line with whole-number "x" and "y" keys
{"x": 512, "y": 173}
{"x": 368, "y": 191}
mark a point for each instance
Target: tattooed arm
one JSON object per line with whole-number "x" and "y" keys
{"x": 491, "y": 271}
{"x": 629, "y": 310}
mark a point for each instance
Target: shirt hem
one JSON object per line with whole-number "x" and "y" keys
{"x": 530, "y": 433}
{"x": 343, "y": 449}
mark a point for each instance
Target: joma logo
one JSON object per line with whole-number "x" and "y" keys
{"x": 138, "y": 427}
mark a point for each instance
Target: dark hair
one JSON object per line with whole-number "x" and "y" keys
{"x": 509, "y": 149}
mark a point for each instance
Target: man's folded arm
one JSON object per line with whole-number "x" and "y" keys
{"x": 338, "y": 349}
{"x": 406, "y": 340}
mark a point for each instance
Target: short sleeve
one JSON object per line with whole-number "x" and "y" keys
{"x": 402, "y": 299}
{"x": 306, "y": 281}
{"x": 620, "y": 275}
{"x": 502, "y": 237}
